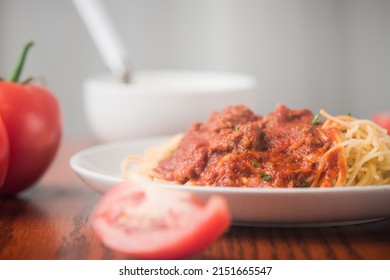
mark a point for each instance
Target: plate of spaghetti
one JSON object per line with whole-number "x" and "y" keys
{"x": 289, "y": 167}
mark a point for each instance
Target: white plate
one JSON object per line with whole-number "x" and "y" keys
{"x": 99, "y": 168}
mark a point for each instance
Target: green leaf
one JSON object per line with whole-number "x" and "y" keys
{"x": 316, "y": 119}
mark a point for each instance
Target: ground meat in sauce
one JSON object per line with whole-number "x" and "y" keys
{"x": 236, "y": 147}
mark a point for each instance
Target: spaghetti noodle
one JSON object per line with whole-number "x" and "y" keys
{"x": 366, "y": 148}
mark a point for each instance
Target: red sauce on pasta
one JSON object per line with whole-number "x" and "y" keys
{"x": 238, "y": 148}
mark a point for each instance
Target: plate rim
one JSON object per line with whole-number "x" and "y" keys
{"x": 243, "y": 216}
{"x": 74, "y": 162}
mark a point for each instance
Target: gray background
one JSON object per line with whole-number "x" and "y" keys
{"x": 304, "y": 53}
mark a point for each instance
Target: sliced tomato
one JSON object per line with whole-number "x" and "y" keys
{"x": 148, "y": 222}
{"x": 383, "y": 120}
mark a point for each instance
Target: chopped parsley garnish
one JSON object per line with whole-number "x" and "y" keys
{"x": 265, "y": 177}
{"x": 316, "y": 119}
{"x": 304, "y": 184}
{"x": 255, "y": 164}
{"x": 350, "y": 114}
{"x": 237, "y": 128}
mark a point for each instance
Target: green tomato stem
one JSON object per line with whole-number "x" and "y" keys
{"x": 15, "y": 74}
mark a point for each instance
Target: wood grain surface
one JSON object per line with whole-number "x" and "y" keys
{"x": 52, "y": 221}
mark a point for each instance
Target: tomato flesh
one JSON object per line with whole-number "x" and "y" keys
{"x": 153, "y": 223}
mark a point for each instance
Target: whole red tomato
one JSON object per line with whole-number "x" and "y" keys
{"x": 4, "y": 152}
{"x": 382, "y": 119}
{"x": 32, "y": 118}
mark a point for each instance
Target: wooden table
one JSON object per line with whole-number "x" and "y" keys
{"x": 52, "y": 221}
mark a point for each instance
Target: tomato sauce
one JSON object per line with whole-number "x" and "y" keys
{"x": 238, "y": 148}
